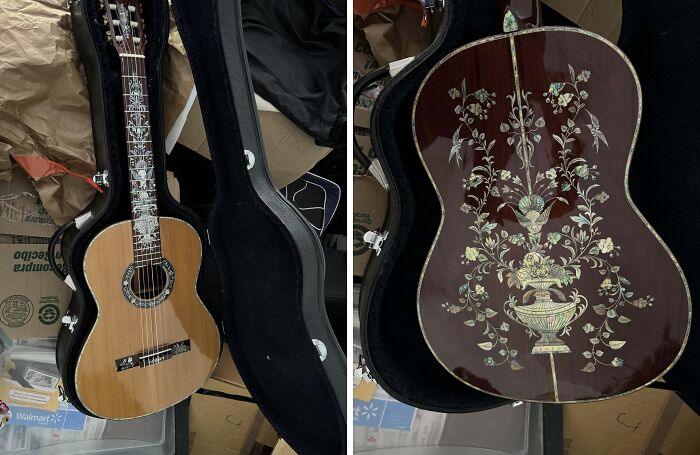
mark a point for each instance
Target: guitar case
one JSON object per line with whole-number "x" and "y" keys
{"x": 664, "y": 187}
{"x": 263, "y": 263}
{"x": 394, "y": 349}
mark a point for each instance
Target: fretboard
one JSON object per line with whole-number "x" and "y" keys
{"x": 144, "y": 209}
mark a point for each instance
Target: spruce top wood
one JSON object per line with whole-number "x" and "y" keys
{"x": 544, "y": 282}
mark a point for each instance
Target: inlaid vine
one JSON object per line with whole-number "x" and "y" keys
{"x": 540, "y": 263}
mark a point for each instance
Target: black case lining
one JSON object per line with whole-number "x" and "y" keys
{"x": 271, "y": 285}
{"x": 660, "y": 41}
{"x": 392, "y": 341}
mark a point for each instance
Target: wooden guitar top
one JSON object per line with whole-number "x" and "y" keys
{"x": 544, "y": 282}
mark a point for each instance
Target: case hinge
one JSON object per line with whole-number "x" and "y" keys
{"x": 250, "y": 159}
{"x": 102, "y": 179}
{"x": 321, "y": 349}
{"x": 375, "y": 240}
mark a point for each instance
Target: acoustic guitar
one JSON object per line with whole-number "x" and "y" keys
{"x": 153, "y": 343}
{"x": 544, "y": 282}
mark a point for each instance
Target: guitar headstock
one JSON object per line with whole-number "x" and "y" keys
{"x": 124, "y": 26}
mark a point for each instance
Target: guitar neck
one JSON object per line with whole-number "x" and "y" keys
{"x": 144, "y": 207}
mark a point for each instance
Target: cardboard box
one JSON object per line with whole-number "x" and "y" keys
{"x": 362, "y": 59}
{"x": 226, "y": 370}
{"x": 282, "y": 448}
{"x": 370, "y": 202}
{"x": 223, "y": 426}
{"x": 21, "y": 212}
{"x": 226, "y": 379}
{"x": 647, "y": 422}
{"x": 603, "y": 17}
{"x": 32, "y": 298}
{"x": 290, "y": 152}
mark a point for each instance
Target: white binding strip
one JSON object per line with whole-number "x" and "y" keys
{"x": 132, "y": 55}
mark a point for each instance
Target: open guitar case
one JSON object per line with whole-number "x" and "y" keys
{"x": 266, "y": 260}
{"x": 393, "y": 346}
{"x": 394, "y": 349}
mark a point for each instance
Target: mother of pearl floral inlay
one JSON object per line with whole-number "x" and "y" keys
{"x": 541, "y": 263}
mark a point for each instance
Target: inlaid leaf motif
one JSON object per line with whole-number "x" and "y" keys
{"x": 599, "y": 309}
{"x": 486, "y": 346}
{"x": 617, "y": 344}
{"x": 515, "y": 365}
{"x": 589, "y": 368}
{"x": 469, "y": 322}
{"x": 490, "y": 313}
{"x": 623, "y": 320}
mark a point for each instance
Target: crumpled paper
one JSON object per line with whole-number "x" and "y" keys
{"x": 44, "y": 109}
{"x": 394, "y": 33}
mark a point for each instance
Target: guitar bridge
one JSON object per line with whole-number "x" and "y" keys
{"x": 152, "y": 357}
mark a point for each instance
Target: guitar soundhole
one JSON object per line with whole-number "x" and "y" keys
{"x": 149, "y": 281}
{"x": 148, "y": 285}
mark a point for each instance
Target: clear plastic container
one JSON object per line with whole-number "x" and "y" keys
{"x": 30, "y": 364}
{"x": 383, "y": 426}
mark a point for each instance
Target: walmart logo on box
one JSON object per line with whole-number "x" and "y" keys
{"x": 61, "y": 419}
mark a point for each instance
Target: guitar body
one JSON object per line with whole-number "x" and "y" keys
{"x": 544, "y": 282}
{"x": 109, "y": 387}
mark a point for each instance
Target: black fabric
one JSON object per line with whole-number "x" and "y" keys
{"x": 296, "y": 53}
{"x": 263, "y": 278}
{"x": 393, "y": 344}
{"x": 661, "y": 41}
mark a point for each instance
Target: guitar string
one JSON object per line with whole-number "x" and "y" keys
{"x": 147, "y": 217}
{"x": 145, "y": 256}
{"x": 137, "y": 268}
{"x": 156, "y": 265}
{"x": 136, "y": 190}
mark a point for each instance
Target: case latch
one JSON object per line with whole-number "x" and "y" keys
{"x": 69, "y": 321}
{"x": 375, "y": 240}
{"x": 102, "y": 178}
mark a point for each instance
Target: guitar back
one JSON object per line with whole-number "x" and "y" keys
{"x": 544, "y": 282}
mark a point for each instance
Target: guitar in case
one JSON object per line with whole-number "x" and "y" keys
{"x": 265, "y": 256}
{"x": 152, "y": 342}
{"x": 544, "y": 282}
